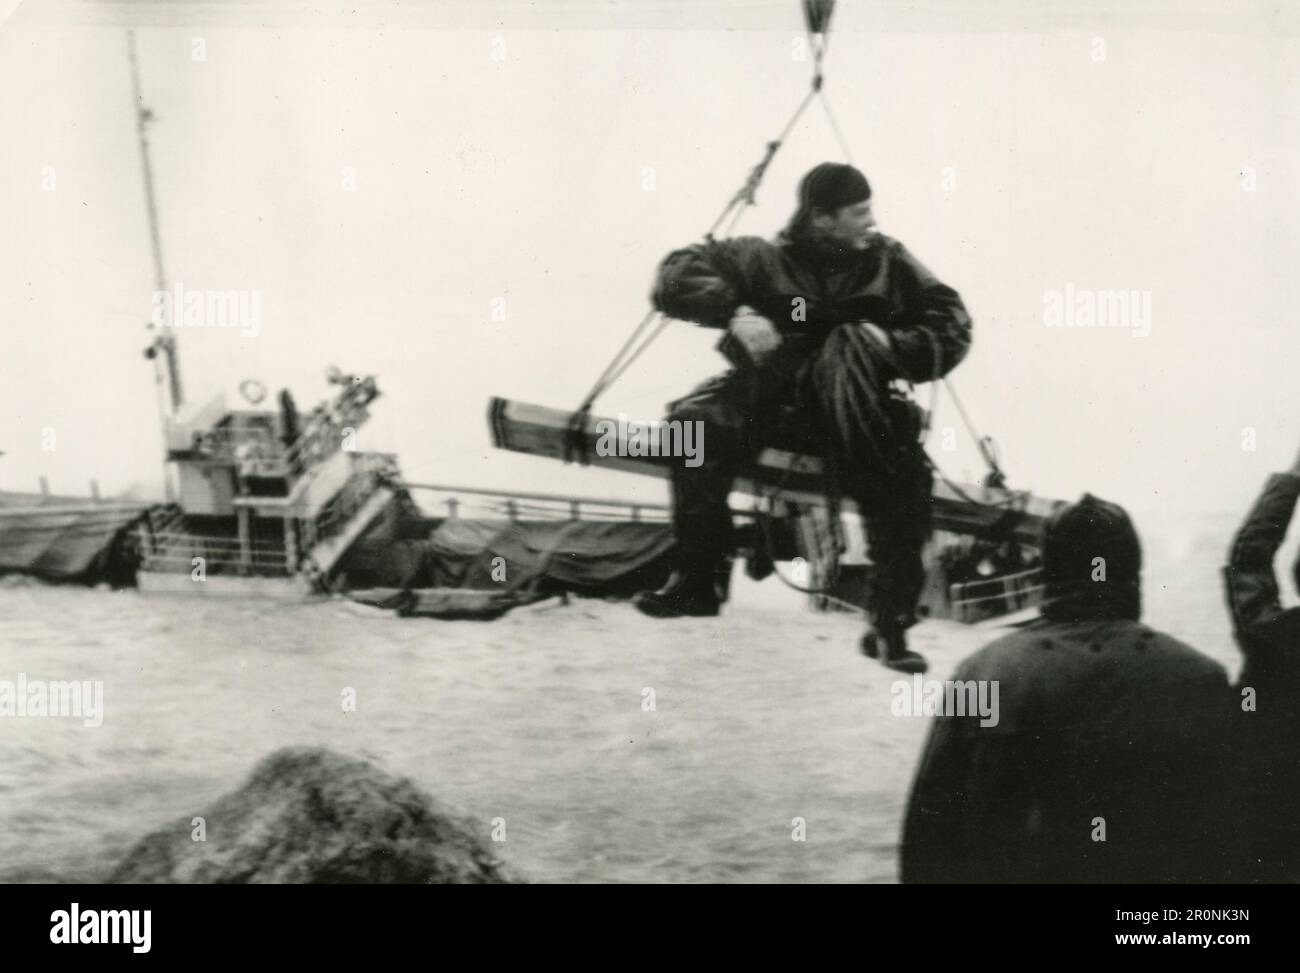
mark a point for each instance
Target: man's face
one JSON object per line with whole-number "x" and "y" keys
{"x": 850, "y": 227}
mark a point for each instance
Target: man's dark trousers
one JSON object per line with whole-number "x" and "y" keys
{"x": 873, "y": 448}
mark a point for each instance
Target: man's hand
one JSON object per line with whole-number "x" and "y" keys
{"x": 755, "y": 333}
{"x": 878, "y": 333}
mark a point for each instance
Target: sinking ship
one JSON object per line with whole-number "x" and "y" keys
{"x": 262, "y": 501}
{"x": 267, "y": 503}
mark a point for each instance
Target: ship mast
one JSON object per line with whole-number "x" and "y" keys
{"x": 162, "y": 347}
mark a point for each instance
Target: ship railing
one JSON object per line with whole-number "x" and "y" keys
{"x": 264, "y": 456}
{"x": 974, "y": 600}
{"x": 460, "y": 501}
{"x": 181, "y": 564}
{"x": 187, "y": 552}
{"x": 170, "y": 546}
{"x": 259, "y": 453}
{"x": 561, "y": 510}
{"x": 254, "y": 451}
{"x": 181, "y": 538}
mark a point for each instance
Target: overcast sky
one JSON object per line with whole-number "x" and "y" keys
{"x": 501, "y": 151}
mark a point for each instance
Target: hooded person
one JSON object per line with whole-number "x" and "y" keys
{"x": 1109, "y": 760}
{"x": 818, "y": 324}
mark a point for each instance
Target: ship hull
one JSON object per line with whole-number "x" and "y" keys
{"x": 224, "y": 586}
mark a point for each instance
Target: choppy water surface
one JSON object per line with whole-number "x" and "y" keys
{"x": 762, "y": 716}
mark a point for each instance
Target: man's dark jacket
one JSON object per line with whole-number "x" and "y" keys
{"x": 806, "y": 290}
{"x": 1267, "y": 633}
{"x": 1104, "y": 723}
{"x": 1268, "y": 733}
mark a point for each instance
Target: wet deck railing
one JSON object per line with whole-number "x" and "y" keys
{"x": 974, "y": 600}
{"x": 459, "y": 501}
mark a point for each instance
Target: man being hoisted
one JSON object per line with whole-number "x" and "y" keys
{"x": 819, "y": 322}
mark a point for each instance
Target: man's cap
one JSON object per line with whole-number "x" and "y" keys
{"x": 832, "y": 185}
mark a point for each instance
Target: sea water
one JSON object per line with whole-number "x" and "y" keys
{"x": 759, "y": 746}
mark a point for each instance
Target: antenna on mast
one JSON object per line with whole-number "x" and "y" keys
{"x": 162, "y": 347}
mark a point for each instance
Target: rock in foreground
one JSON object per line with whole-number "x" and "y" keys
{"x": 309, "y": 816}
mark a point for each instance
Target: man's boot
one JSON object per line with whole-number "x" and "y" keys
{"x": 686, "y": 593}
{"x": 888, "y": 642}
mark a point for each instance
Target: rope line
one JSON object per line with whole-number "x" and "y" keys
{"x": 602, "y": 382}
{"x": 744, "y": 196}
{"x": 830, "y": 117}
{"x": 618, "y": 373}
{"x": 817, "y": 24}
{"x": 575, "y": 443}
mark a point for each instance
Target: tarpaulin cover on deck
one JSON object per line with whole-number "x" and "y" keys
{"x": 588, "y": 557}
{"x": 72, "y": 543}
{"x": 591, "y": 556}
